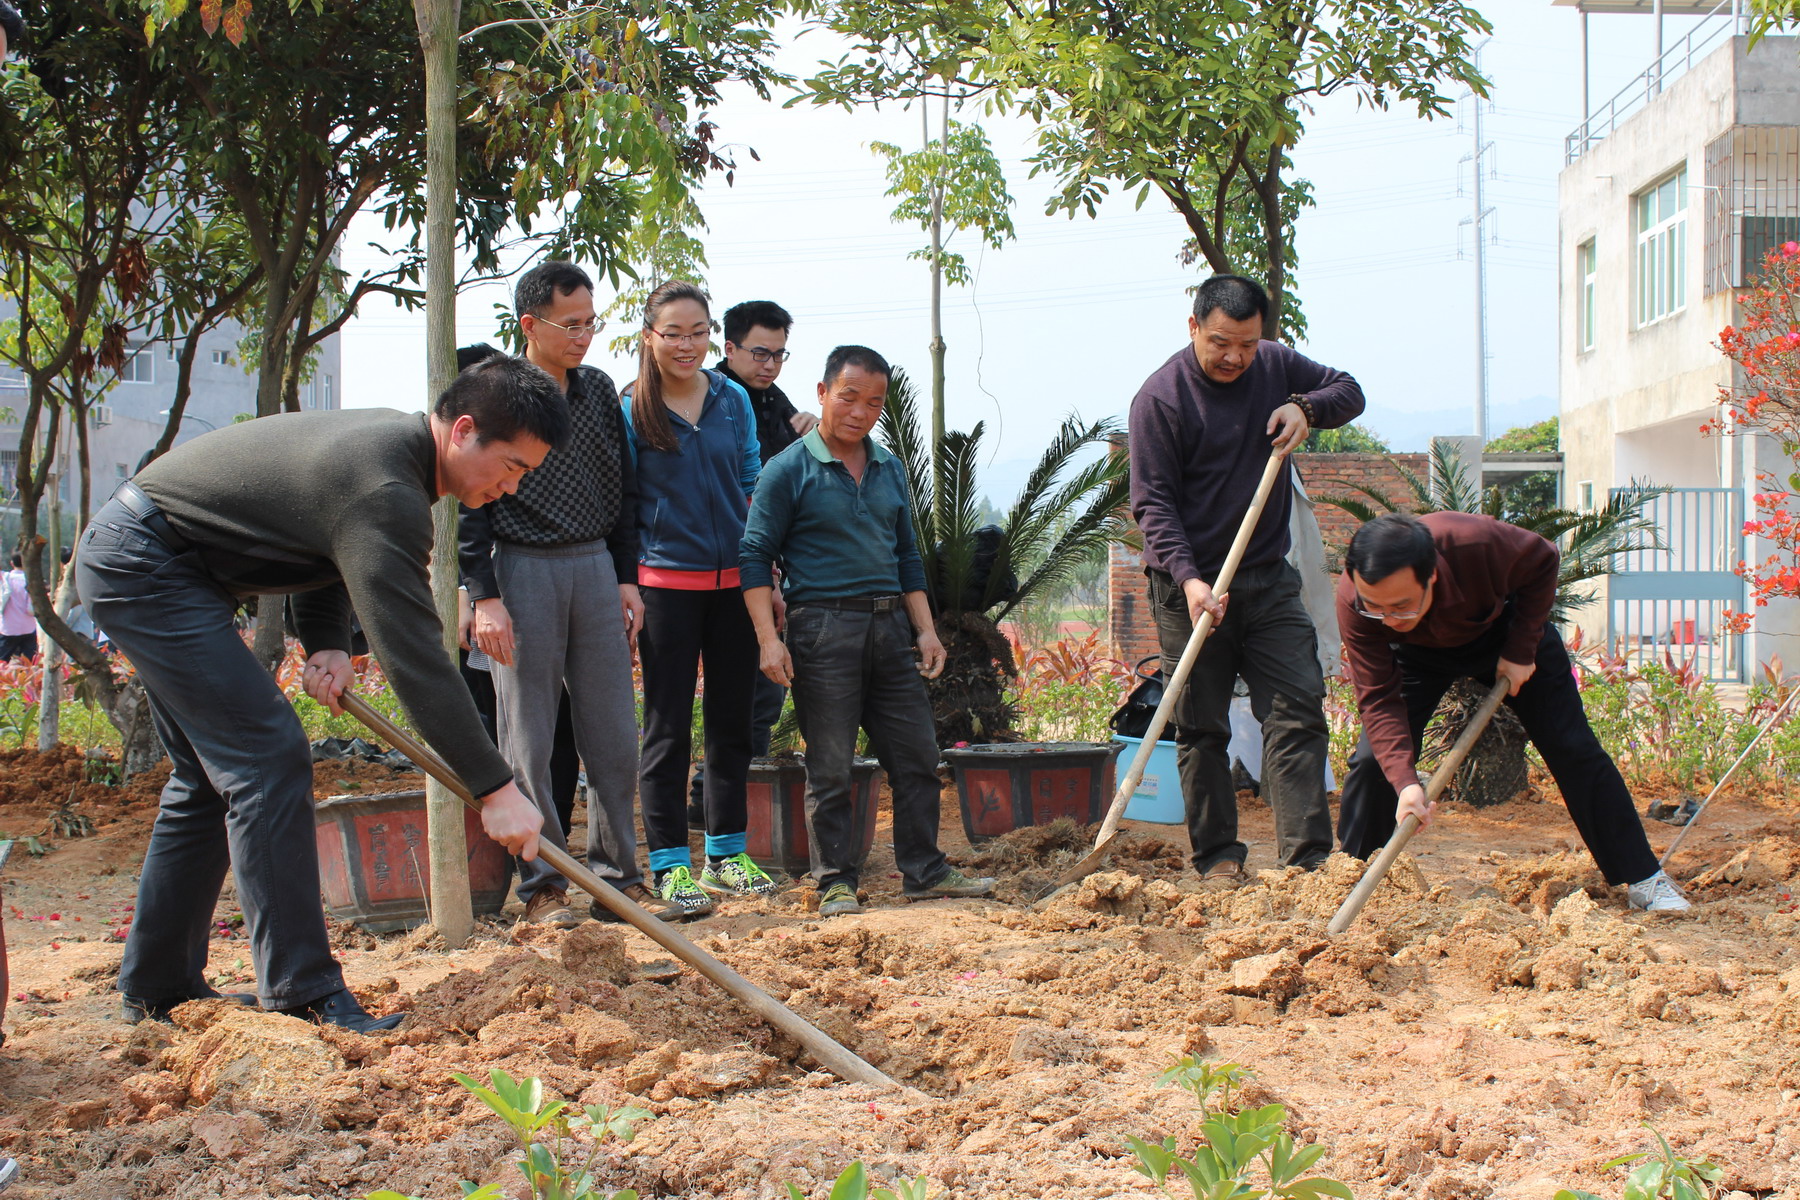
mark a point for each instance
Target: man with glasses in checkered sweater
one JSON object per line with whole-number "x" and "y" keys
{"x": 552, "y": 573}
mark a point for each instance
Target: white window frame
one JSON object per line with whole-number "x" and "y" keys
{"x": 330, "y": 395}
{"x": 1659, "y": 272}
{"x": 1586, "y": 286}
{"x": 139, "y": 362}
{"x": 1584, "y": 492}
{"x": 221, "y": 358}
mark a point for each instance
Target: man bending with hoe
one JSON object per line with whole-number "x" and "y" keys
{"x": 334, "y": 507}
{"x": 833, "y": 509}
{"x": 1427, "y": 600}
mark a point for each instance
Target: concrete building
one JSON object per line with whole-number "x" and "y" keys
{"x": 1672, "y": 193}
{"x": 128, "y": 417}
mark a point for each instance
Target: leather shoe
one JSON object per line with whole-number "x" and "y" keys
{"x": 340, "y": 1008}
{"x": 133, "y": 1010}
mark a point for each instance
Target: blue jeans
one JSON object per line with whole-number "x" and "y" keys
{"x": 239, "y": 795}
{"x": 857, "y": 670}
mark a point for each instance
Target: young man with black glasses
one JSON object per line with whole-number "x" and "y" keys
{"x": 1427, "y": 600}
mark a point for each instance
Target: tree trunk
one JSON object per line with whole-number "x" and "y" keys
{"x": 1495, "y": 770}
{"x": 438, "y": 20}
{"x": 937, "y": 282}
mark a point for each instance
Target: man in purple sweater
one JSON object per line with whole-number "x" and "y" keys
{"x": 1202, "y": 429}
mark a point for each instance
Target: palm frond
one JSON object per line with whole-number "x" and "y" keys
{"x": 1041, "y": 503}
{"x": 957, "y": 511}
{"x": 900, "y": 432}
{"x": 1101, "y": 521}
{"x": 1364, "y": 513}
{"x": 1451, "y": 488}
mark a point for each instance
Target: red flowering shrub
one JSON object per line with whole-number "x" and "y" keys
{"x": 1765, "y": 346}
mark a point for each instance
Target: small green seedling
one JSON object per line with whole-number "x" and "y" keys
{"x": 542, "y": 1128}
{"x": 1661, "y": 1174}
{"x": 1238, "y": 1150}
{"x": 853, "y": 1184}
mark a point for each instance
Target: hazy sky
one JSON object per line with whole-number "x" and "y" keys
{"x": 1075, "y": 313}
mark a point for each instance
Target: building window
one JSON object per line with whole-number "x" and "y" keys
{"x": 123, "y": 470}
{"x": 309, "y": 394}
{"x": 1585, "y": 493}
{"x": 330, "y": 394}
{"x": 1661, "y": 224}
{"x": 221, "y": 358}
{"x": 140, "y": 367}
{"x": 1585, "y": 272}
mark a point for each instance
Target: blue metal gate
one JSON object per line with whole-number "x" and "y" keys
{"x": 1674, "y": 599}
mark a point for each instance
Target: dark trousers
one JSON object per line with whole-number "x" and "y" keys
{"x": 1268, "y": 640}
{"x": 18, "y": 645}
{"x": 766, "y": 699}
{"x": 857, "y": 670}
{"x": 239, "y": 794}
{"x": 565, "y": 764}
{"x": 682, "y": 630}
{"x": 1549, "y": 706}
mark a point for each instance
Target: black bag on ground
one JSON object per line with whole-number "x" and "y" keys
{"x": 1132, "y": 718}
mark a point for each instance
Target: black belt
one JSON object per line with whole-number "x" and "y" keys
{"x": 868, "y": 604}
{"x": 132, "y": 499}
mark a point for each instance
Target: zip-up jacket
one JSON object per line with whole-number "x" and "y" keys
{"x": 691, "y": 504}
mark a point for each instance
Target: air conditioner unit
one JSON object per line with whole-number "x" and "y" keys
{"x": 100, "y": 414}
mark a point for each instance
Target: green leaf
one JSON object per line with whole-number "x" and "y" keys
{"x": 853, "y": 1184}
{"x": 1576, "y": 1194}
{"x": 1153, "y": 1161}
{"x": 1320, "y": 1186}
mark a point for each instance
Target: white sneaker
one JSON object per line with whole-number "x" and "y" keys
{"x": 1657, "y": 894}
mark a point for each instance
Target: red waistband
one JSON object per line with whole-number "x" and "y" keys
{"x": 687, "y": 581}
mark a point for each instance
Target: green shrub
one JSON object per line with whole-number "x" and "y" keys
{"x": 1661, "y": 1174}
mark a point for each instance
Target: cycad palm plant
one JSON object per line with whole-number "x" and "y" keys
{"x": 1591, "y": 544}
{"x": 1071, "y": 507}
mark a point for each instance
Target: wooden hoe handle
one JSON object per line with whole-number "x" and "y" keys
{"x": 1440, "y": 779}
{"x": 837, "y": 1059}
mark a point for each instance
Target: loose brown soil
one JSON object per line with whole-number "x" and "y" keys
{"x": 1497, "y": 1025}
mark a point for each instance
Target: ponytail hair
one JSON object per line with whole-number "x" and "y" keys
{"x": 649, "y": 415}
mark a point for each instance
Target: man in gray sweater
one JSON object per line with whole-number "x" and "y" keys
{"x": 335, "y": 508}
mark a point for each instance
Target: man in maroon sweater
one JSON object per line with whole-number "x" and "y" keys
{"x": 1427, "y": 600}
{"x": 1202, "y": 429}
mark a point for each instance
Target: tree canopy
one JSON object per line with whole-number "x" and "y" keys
{"x": 1200, "y": 103}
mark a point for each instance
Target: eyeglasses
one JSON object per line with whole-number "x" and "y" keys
{"x": 587, "y": 328}
{"x": 1383, "y": 616}
{"x": 682, "y": 339}
{"x": 762, "y": 354}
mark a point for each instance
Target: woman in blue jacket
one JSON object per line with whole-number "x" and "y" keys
{"x": 693, "y": 437}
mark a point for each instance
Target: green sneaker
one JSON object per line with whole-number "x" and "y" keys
{"x": 839, "y": 899}
{"x": 954, "y": 884}
{"x": 737, "y": 876}
{"x": 678, "y": 888}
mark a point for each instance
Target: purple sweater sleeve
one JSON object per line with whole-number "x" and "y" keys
{"x": 1337, "y": 399}
{"x": 1156, "y": 487}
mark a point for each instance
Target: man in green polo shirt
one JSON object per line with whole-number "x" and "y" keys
{"x": 832, "y": 509}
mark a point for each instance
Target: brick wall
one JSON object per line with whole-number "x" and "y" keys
{"x": 1131, "y": 626}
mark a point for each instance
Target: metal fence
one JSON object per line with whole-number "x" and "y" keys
{"x": 1724, "y": 19}
{"x": 1673, "y": 600}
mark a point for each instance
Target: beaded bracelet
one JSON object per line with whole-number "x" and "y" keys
{"x": 1305, "y": 407}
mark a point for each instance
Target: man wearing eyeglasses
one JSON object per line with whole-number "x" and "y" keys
{"x": 756, "y": 335}
{"x": 552, "y": 573}
{"x": 1425, "y": 601}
